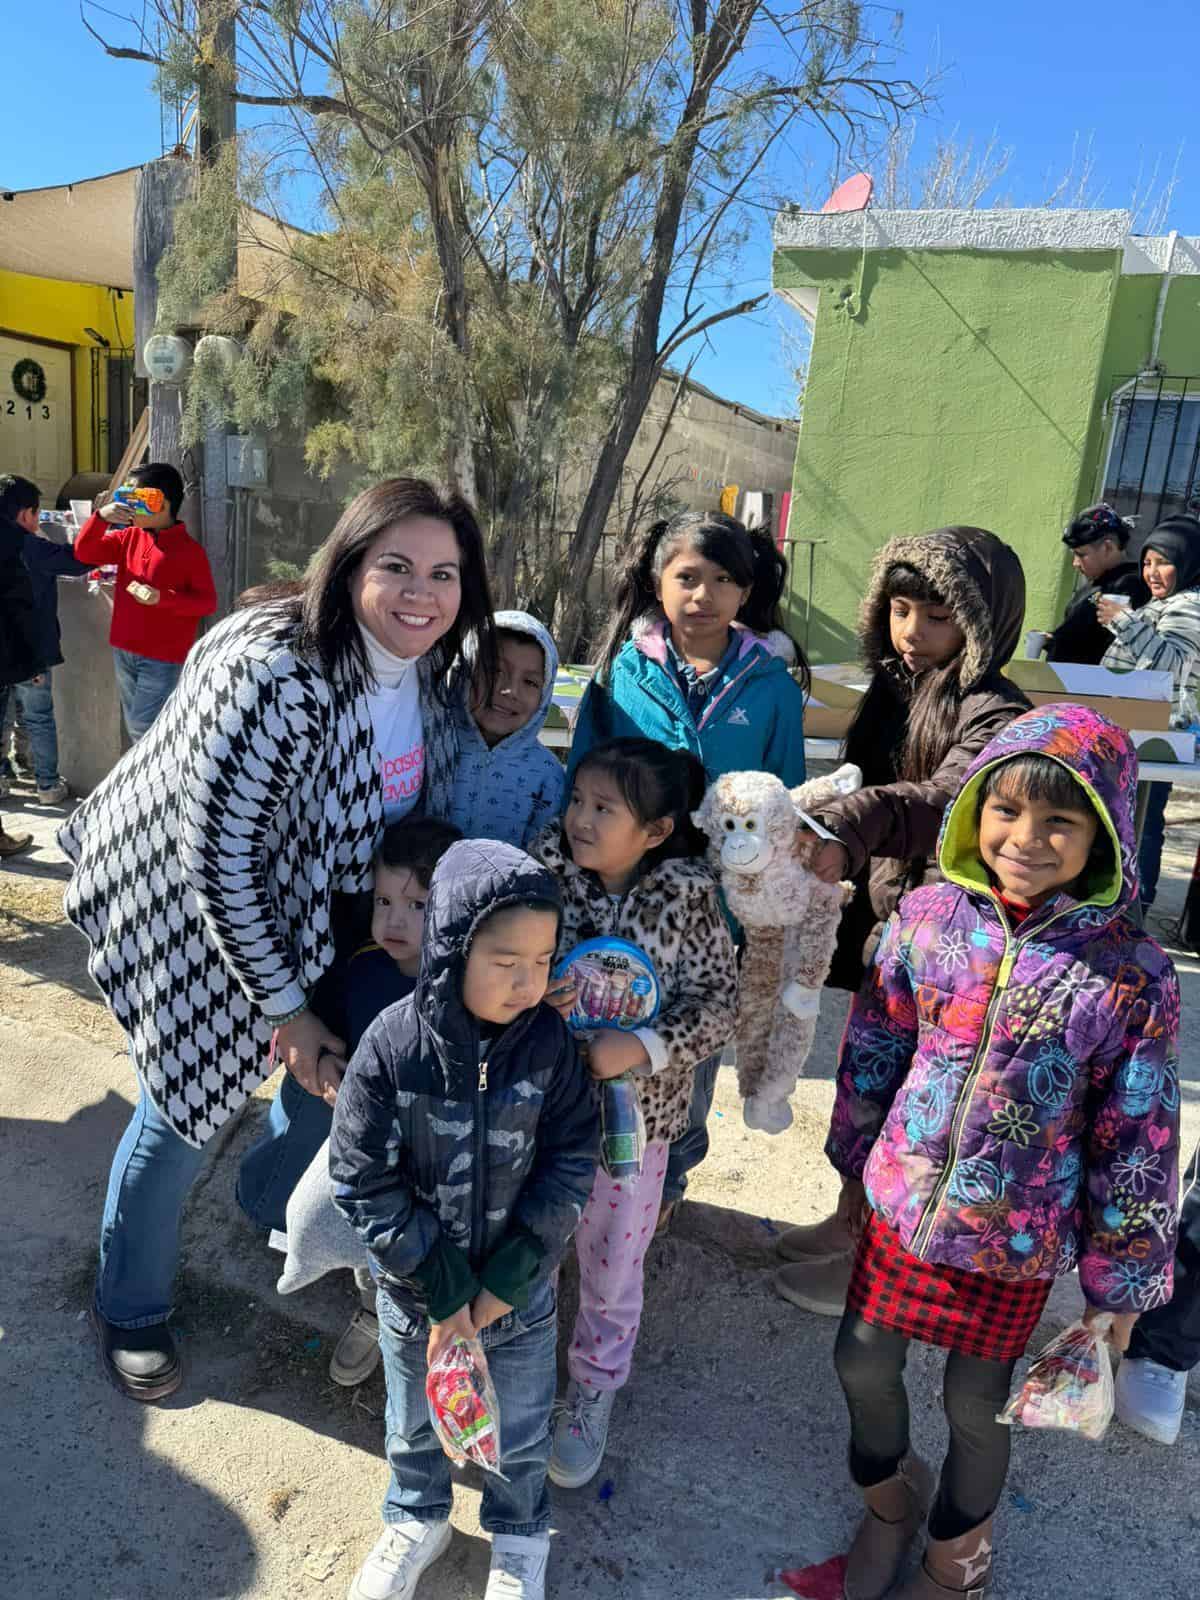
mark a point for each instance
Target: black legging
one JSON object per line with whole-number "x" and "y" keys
{"x": 870, "y": 1367}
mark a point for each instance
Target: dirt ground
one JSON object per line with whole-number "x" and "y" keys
{"x": 262, "y": 1479}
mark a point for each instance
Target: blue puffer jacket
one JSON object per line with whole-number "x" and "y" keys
{"x": 462, "y": 1167}
{"x": 753, "y": 720}
{"x": 514, "y": 789}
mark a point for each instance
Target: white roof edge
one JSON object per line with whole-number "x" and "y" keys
{"x": 1149, "y": 254}
{"x": 1015, "y": 228}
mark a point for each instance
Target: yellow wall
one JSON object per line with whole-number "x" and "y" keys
{"x": 48, "y": 308}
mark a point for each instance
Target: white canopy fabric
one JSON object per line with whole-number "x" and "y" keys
{"x": 82, "y": 232}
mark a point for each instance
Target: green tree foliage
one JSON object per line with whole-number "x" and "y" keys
{"x": 523, "y": 212}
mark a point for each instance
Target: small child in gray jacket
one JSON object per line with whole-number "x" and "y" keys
{"x": 507, "y": 785}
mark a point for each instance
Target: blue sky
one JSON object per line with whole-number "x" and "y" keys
{"x": 1043, "y": 76}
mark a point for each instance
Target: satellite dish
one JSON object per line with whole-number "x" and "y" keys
{"x": 853, "y": 195}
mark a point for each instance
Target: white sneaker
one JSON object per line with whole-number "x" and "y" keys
{"x": 401, "y": 1554}
{"x": 580, "y": 1436}
{"x": 356, "y": 1354}
{"x": 1150, "y": 1399}
{"x": 518, "y": 1567}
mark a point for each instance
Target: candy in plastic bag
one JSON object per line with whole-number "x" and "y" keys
{"x": 1069, "y": 1386}
{"x": 462, "y": 1403}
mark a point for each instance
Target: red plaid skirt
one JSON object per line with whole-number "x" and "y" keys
{"x": 964, "y": 1311}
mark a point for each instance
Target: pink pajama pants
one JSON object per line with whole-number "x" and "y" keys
{"x": 615, "y": 1231}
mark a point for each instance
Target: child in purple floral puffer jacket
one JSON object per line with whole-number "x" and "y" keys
{"x": 1007, "y": 1108}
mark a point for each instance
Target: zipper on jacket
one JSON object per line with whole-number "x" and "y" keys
{"x": 477, "y": 1219}
{"x": 1012, "y": 949}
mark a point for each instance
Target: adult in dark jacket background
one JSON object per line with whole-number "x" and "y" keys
{"x": 1098, "y": 540}
{"x": 46, "y": 562}
{"x": 941, "y": 619}
{"x": 20, "y": 658}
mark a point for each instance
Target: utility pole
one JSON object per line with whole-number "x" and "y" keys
{"x": 216, "y": 123}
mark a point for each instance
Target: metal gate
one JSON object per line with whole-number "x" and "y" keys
{"x": 1152, "y": 469}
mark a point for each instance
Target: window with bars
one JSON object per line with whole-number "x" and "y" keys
{"x": 1153, "y": 465}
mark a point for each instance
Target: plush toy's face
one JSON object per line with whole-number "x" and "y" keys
{"x": 744, "y": 843}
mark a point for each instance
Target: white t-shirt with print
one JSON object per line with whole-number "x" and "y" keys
{"x": 395, "y": 705}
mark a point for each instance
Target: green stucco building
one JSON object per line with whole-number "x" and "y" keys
{"x": 1002, "y": 368}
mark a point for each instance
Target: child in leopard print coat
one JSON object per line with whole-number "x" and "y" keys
{"x": 630, "y": 863}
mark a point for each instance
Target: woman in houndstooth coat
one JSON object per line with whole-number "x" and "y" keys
{"x": 206, "y": 861}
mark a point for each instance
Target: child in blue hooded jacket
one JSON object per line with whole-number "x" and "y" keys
{"x": 507, "y": 785}
{"x": 696, "y": 658}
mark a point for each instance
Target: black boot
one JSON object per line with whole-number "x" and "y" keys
{"x": 142, "y": 1362}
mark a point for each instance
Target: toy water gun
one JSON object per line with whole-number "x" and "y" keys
{"x": 142, "y": 502}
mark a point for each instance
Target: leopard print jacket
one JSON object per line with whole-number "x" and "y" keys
{"x": 672, "y": 913}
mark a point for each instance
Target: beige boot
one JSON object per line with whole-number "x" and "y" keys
{"x": 817, "y": 1241}
{"x": 953, "y": 1569}
{"x": 895, "y": 1510}
{"x": 817, "y": 1286}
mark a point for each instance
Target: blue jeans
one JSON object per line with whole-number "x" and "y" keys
{"x": 144, "y": 687}
{"x": 152, "y": 1172}
{"x": 36, "y": 704}
{"x": 298, "y": 1124}
{"x": 691, "y": 1147}
{"x": 1150, "y": 849}
{"x": 521, "y": 1359}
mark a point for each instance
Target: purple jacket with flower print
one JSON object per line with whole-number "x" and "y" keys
{"x": 1011, "y": 1097}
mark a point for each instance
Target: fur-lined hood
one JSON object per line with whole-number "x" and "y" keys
{"x": 979, "y": 577}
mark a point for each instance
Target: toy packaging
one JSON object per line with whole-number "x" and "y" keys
{"x": 616, "y": 985}
{"x": 462, "y": 1404}
{"x": 142, "y": 502}
{"x": 1069, "y": 1386}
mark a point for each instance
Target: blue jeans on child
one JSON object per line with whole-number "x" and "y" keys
{"x": 152, "y": 1172}
{"x": 520, "y": 1350}
{"x": 1154, "y": 831}
{"x": 298, "y": 1124}
{"x": 144, "y": 687}
{"x": 35, "y": 702}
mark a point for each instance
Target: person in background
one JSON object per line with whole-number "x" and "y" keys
{"x": 20, "y": 501}
{"x": 507, "y": 786}
{"x": 20, "y": 658}
{"x": 1164, "y": 636}
{"x": 164, "y": 588}
{"x": 941, "y": 617}
{"x": 1152, "y": 1379}
{"x": 1098, "y": 540}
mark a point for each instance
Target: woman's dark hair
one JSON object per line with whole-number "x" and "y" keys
{"x": 655, "y": 782}
{"x": 416, "y": 845}
{"x": 1045, "y": 782}
{"x": 927, "y": 734}
{"x": 322, "y": 603}
{"x": 748, "y": 555}
{"x": 261, "y": 594}
{"x": 161, "y": 475}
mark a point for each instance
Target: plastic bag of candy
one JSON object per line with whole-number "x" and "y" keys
{"x": 1069, "y": 1386}
{"x": 462, "y": 1403}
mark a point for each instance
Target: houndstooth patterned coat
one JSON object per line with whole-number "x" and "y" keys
{"x": 206, "y": 859}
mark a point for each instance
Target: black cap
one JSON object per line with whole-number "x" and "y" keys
{"x": 1178, "y": 539}
{"x": 1097, "y": 522}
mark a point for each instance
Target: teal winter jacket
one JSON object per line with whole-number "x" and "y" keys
{"x": 753, "y": 721}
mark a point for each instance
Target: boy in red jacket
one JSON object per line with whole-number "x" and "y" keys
{"x": 164, "y": 586}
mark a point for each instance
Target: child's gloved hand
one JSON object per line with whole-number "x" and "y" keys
{"x": 1118, "y": 1335}
{"x": 460, "y": 1326}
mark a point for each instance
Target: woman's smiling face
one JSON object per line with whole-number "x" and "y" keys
{"x": 408, "y": 587}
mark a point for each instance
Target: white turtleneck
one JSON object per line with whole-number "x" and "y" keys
{"x": 394, "y": 699}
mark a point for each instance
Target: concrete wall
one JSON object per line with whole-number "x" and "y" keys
{"x": 86, "y": 708}
{"x": 945, "y": 386}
